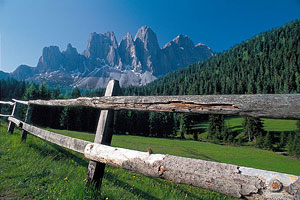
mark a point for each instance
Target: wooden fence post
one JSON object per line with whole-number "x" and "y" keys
{"x": 27, "y": 120}
{"x": 14, "y": 113}
{"x": 103, "y": 135}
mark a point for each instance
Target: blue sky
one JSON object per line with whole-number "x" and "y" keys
{"x": 26, "y": 26}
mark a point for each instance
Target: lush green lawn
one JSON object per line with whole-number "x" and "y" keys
{"x": 39, "y": 170}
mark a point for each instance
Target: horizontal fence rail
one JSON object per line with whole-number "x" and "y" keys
{"x": 61, "y": 140}
{"x": 233, "y": 180}
{"x": 1, "y": 115}
{"x": 283, "y": 106}
{"x": 7, "y": 102}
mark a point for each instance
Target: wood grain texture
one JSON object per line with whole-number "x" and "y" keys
{"x": 283, "y": 106}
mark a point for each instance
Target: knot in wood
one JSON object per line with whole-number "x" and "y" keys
{"x": 161, "y": 170}
{"x": 275, "y": 185}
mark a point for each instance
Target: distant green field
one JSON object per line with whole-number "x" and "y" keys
{"x": 235, "y": 123}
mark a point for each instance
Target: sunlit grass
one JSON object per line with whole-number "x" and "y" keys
{"x": 39, "y": 170}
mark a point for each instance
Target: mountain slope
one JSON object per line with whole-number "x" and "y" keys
{"x": 266, "y": 63}
{"x": 134, "y": 62}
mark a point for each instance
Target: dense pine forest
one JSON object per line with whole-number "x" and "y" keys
{"x": 266, "y": 63}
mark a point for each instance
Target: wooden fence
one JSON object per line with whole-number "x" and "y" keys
{"x": 232, "y": 180}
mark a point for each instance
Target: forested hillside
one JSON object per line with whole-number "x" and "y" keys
{"x": 266, "y": 63}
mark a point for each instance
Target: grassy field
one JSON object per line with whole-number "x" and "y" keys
{"x": 235, "y": 123}
{"x": 39, "y": 170}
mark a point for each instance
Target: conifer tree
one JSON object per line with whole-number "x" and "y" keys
{"x": 268, "y": 141}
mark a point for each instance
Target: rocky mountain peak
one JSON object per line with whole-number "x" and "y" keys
{"x": 181, "y": 41}
{"x": 148, "y": 51}
{"x": 50, "y": 60}
{"x": 127, "y": 37}
{"x": 72, "y": 59}
{"x": 102, "y": 49}
{"x": 110, "y": 35}
{"x": 142, "y": 32}
{"x": 146, "y": 36}
{"x": 70, "y": 50}
{"x": 50, "y": 51}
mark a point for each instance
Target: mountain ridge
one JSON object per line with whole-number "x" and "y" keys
{"x": 134, "y": 62}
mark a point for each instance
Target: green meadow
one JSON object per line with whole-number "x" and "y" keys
{"x": 235, "y": 124}
{"x": 40, "y": 170}
{"x": 37, "y": 169}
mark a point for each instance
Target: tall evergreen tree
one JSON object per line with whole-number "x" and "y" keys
{"x": 184, "y": 125}
{"x": 216, "y": 127}
{"x": 252, "y": 127}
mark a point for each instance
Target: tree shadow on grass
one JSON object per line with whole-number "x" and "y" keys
{"x": 198, "y": 155}
{"x": 58, "y": 153}
{"x": 237, "y": 126}
{"x": 160, "y": 181}
{"x": 114, "y": 179}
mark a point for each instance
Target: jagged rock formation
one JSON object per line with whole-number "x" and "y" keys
{"x": 135, "y": 61}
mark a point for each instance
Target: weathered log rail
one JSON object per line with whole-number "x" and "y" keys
{"x": 7, "y": 102}
{"x": 263, "y": 105}
{"x": 233, "y": 180}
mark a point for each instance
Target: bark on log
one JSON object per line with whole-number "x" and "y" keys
{"x": 61, "y": 140}
{"x": 14, "y": 113}
{"x": 232, "y": 180}
{"x": 103, "y": 135}
{"x": 262, "y": 105}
